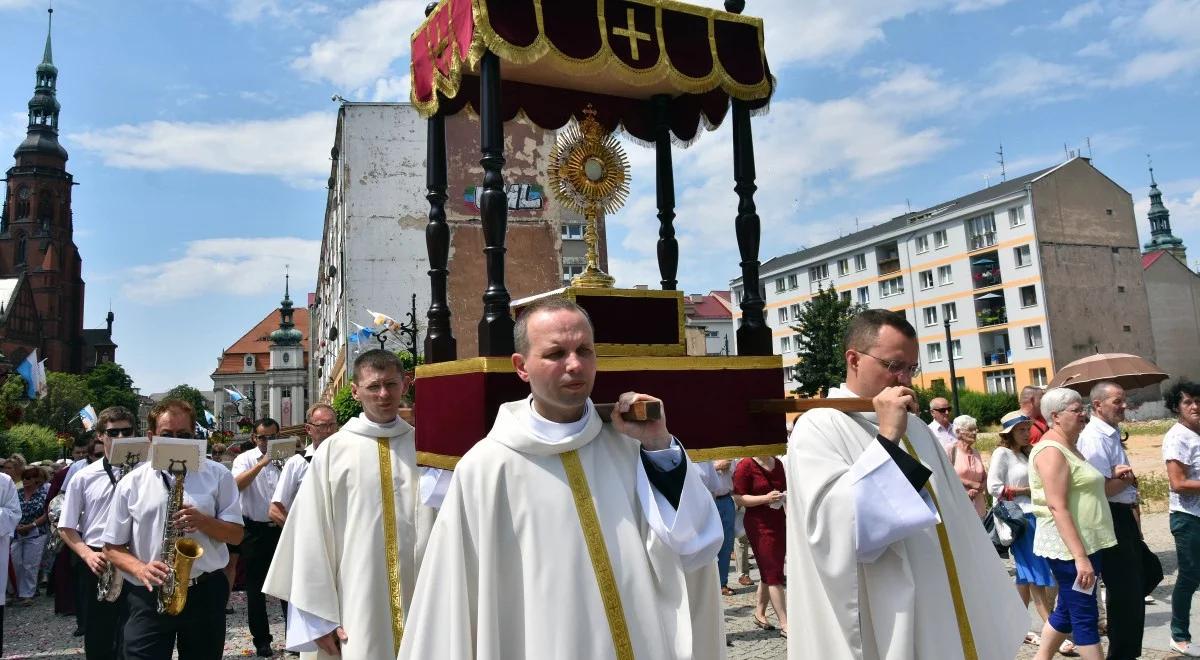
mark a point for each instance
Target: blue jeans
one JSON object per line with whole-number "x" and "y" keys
{"x": 726, "y": 508}
{"x": 1186, "y": 529}
{"x": 1075, "y": 613}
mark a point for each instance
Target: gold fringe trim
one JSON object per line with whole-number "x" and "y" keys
{"x": 447, "y": 462}
{"x": 601, "y": 564}
{"x": 442, "y": 461}
{"x": 960, "y": 607}
{"x": 390, "y": 546}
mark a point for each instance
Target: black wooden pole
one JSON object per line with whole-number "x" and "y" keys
{"x": 950, "y": 356}
{"x": 753, "y": 335}
{"x": 668, "y": 247}
{"x": 496, "y": 326}
{"x": 440, "y": 345}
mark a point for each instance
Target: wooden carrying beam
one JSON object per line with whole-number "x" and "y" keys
{"x": 805, "y": 405}
{"x": 640, "y": 411}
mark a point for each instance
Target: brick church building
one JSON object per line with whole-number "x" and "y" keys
{"x": 41, "y": 281}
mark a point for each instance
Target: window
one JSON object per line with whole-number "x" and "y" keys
{"x": 1016, "y": 216}
{"x": 934, "y": 351}
{"x": 785, "y": 344}
{"x": 1021, "y": 256}
{"x": 843, "y": 267}
{"x": 783, "y": 314}
{"x": 892, "y": 287}
{"x": 860, "y": 262}
{"x": 1033, "y": 336}
{"x": 779, "y": 287}
{"x": 960, "y": 382}
{"x": 796, "y": 311}
{"x": 1120, "y": 288}
{"x": 1037, "y": 377}
{"x": 787, "y": 374}
{"x": 572, "y": 232}
{"x": 1028, "y": 296}
{"x": 818, "y": 273}
{"x": 956, "y": 349}
{"x": 950, "y": 312}
{"x": 249, "y": 360}
{"x": 1004, "y": 380}
{"x": 938, "y": 383}
{"x": 845, "y": 296}
{"x": 926, "y": 279}
{"x": 940, "y": 240}
{"x": 930, "y": 315}
{"x": 570, "y": 271}
{"x": 981, "y": 231}
{"x": 864, "y": 295}
{"x": 712, "y": 334}
{"x": 945, "y": 275}
{"x": 1127, "y": 328}
{"x": 793, "y": 281}
{"x": 922, "y": 243}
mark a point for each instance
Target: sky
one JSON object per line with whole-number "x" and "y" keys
{"x": 199, "y": 134}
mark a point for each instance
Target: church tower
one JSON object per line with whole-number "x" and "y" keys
{"x": 36, "y": 230}
{"x": 287, "y": 372}
{"x": 1161, "y": 237}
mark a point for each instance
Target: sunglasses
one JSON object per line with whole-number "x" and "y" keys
{"x": 940, "y": 410}
{"x": 273, "y": 436}
{"x": 126, "y": 432}
{"x": 185, "y": 435}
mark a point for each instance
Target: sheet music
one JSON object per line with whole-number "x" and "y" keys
{"x": 282, "y": 448}
{"x": 128, "y": 451}
{"x": 165, "y": 452}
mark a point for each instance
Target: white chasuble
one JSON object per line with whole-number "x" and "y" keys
{"x": 922, "y": 590}
{"x": 509, "y": 573}
{"x": 332, "y": 564}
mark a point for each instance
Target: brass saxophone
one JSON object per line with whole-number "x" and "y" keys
{"x": 178, "y": 552}
{"x": 108, "y": 587}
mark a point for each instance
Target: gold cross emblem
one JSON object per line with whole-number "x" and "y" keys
{"x": 630, "y": 32}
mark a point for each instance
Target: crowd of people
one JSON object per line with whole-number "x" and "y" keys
{"x": 871, "y": 529}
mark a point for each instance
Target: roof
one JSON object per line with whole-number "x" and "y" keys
{"x": 256, "y": 342}
{"x": 931, "y": 213}
{"x": 712, "y": 306}
{"x": 1149, "y": 258}
{"x": 97, "y": 337}
{"x": 8, "y": 287}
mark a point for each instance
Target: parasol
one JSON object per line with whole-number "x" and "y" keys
{"x": 1128, "y": 371}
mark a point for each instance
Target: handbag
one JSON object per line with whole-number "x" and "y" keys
{"x": 1004, "y": 523}
{"x": 1152, "y": 570}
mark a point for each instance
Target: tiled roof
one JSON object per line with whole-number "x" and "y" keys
{"x": 709, "y": 307}
{"x": 1149, "y": 258}
{"x": 256, "y": 342}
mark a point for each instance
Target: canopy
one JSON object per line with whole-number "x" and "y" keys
{"x": 1128, "y": 371}
{"x": 557, "y": 57}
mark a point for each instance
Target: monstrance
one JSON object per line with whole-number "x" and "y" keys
{"x": 589, "y": 174}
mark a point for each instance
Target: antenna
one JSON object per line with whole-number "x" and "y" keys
{"x": 908, "y": 204}
{"x": 1089, "y": 146}
{"x": 1003, "y": 171}
{"x": 987, "y": 180}
{"x": 856, "y": 224}
{"x": 1066, "y": 151}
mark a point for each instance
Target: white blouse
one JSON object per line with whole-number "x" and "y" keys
{"x": 1009, "y": 468}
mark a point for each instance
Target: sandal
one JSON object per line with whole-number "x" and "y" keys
{"x": 726, "y": 591}
{"x": 1068, "y": 649}
{"x": 763, "y": 623}
{"x": 745, "y": 581}
{"x": 1032, "y": 639}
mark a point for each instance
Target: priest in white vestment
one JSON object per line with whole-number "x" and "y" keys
{"x": 345, "y": 558}
{"x": 564, "y": 537}
{"x": 872, "y": 572}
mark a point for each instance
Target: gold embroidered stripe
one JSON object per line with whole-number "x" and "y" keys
{"x": 390, "y": 548}
{"x": 960, "y": 607}
{"x": 601, "y": 564}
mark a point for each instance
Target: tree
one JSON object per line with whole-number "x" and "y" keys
{"x": 820, "y": 344}
{"x": 12, "y": 401}
{"x": 111, "y": 386}
{"x": 192, "y": 396}
{"x": 345, "y": 405}
{"x": 32, "y": 441}
{"x": 59, "y": 409}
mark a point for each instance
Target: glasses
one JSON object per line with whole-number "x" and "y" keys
{"x": 323, "y": 425}
{"x": 1076, "y": 411}
{"x": 126, "y": 432}
{"x": 272, "y": 436}
{"x": 939, "y": 410}
{"x": 185, "y": 435}
{"x": 895, "y": 367}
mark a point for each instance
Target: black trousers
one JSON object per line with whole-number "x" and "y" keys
{"x": 102, "y": 620}
{"x": 1123, "y": 582}
{"x": 77, "y": 569}
{"x": 199, "y": 628}
{"x": 258, "y": 549}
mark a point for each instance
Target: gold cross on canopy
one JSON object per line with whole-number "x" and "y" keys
{"x": 630, "y": 32}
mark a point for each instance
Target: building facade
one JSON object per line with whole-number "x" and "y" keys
{"x": 1174, "y": 293}
{"x": 373, "y": 250}
{"x": 711, "y": 317}
{"x": 1032, "y": 273}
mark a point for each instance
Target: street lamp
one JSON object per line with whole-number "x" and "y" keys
{"x": 409, "y": 330}
{"x": 950, "y": 355}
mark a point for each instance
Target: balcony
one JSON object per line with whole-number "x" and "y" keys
{"x": 985, "y": 270}
{"x": 887, "y": 256}
{"x": 995, "y": 348}
{"x": 980, "y": 241}
{"x": 990, "y": 309}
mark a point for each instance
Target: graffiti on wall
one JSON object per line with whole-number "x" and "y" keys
{"x": 521, "y": 197}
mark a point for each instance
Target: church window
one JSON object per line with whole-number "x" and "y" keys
{"x": 23, "y": 194}
{"x": 20, "y": 250}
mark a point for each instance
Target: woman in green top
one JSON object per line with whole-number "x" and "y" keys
{"x": 1073, "y": 524}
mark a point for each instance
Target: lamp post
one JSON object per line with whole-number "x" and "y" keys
{"x": 950, "y": 355}
{"x": 409, "y": 330}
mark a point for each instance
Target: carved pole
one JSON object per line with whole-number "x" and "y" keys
{"x": 668, "y": 247}
{"x": 496, "y": 326}
{"x": 753, "y": 335}
{"x": 440, "y": 345}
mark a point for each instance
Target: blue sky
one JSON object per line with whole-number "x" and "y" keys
{"x": 199, "y": 132}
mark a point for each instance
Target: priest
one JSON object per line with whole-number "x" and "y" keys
{"x": 887, "y": 558}
{"x": 564, "y": 537}
{"x": 345, "y": 559}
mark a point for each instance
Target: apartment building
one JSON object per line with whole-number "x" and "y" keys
{"x": 1032, "y": 273}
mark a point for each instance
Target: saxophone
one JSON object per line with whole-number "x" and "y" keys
{"x": 178, "y": 552}
{"x": 108, "y": 587}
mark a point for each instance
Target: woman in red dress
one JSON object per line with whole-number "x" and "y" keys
{"x": 759, "y": 485}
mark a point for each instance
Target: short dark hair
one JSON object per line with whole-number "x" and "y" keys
{"x": 174, "y": 405}
{"x": 863, "y": 331}
{"x": 265, "y": 421}
{"x": 379, "y": 360}
{"x": 547, "y": 304}
{"x": 1174, "y": 395}
{"x": 113, "y": 414}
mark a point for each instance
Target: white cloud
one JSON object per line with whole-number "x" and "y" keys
{"x": 392, "y": 89}
{"x": 247, "y": 11}
{"x": 1037, "y": 81}
{"x": 1176, "y": 25}
{"x": 220, "y": 267}
{"x": 963, "y": 6}
{"x": 1102, "y": 49}
{"x": 1176, "y": 21}
{"x": 17, "y": 4}
{"x": 364, "y": 44}
{"x": 1157, "y": 65}
{"x": 294, "y": 149}
{"x": 1077, "y": 14}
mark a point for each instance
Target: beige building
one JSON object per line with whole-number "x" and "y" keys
{"x": 1032, "y": 273}
{"x": 1174, "y": 292}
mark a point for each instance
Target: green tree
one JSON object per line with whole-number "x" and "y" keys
{"x": 820, "y": 345}
{"x": 193, "y": 396}
{"x": 33, "y": 441}
{"x": 12, "y": 401}
{"x": 345, "y": 405}
{"x": 111, "y": 386}
{"x": 59, "y": 409}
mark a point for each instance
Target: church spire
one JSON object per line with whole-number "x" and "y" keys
{"x": 42, "y": 133}
{"x": 287, "y": 334}
{"x": 48, "y": 55}
{"x": 1161, "y": 237}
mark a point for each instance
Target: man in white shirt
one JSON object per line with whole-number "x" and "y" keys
{"x": 81, "y": 526}
{"x": 321, "y": 423}
{"x": 718, "y": 478}
{"x": 1100, "y": 444}
{"x": 10, "y": 515}
{"x": 256, "y": 476}
{"x": 211, "y": 515}
{"x": 939, "y": 409}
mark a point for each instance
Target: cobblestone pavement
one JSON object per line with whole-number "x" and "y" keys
{"x": 36, "y": 632}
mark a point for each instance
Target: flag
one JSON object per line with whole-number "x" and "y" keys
{"x": 209, "y": 417}
{"x": 39, "y": 379}
{"x": 28, "y": 371}
{"x": 383, "y": 320}
{"x": 87, "y": 415}
{"x": 234, "y": 395}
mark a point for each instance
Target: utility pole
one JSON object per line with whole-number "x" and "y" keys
{"x": 950, "y": 356}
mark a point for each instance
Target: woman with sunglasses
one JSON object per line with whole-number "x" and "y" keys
{"x": 31, "y": 534}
